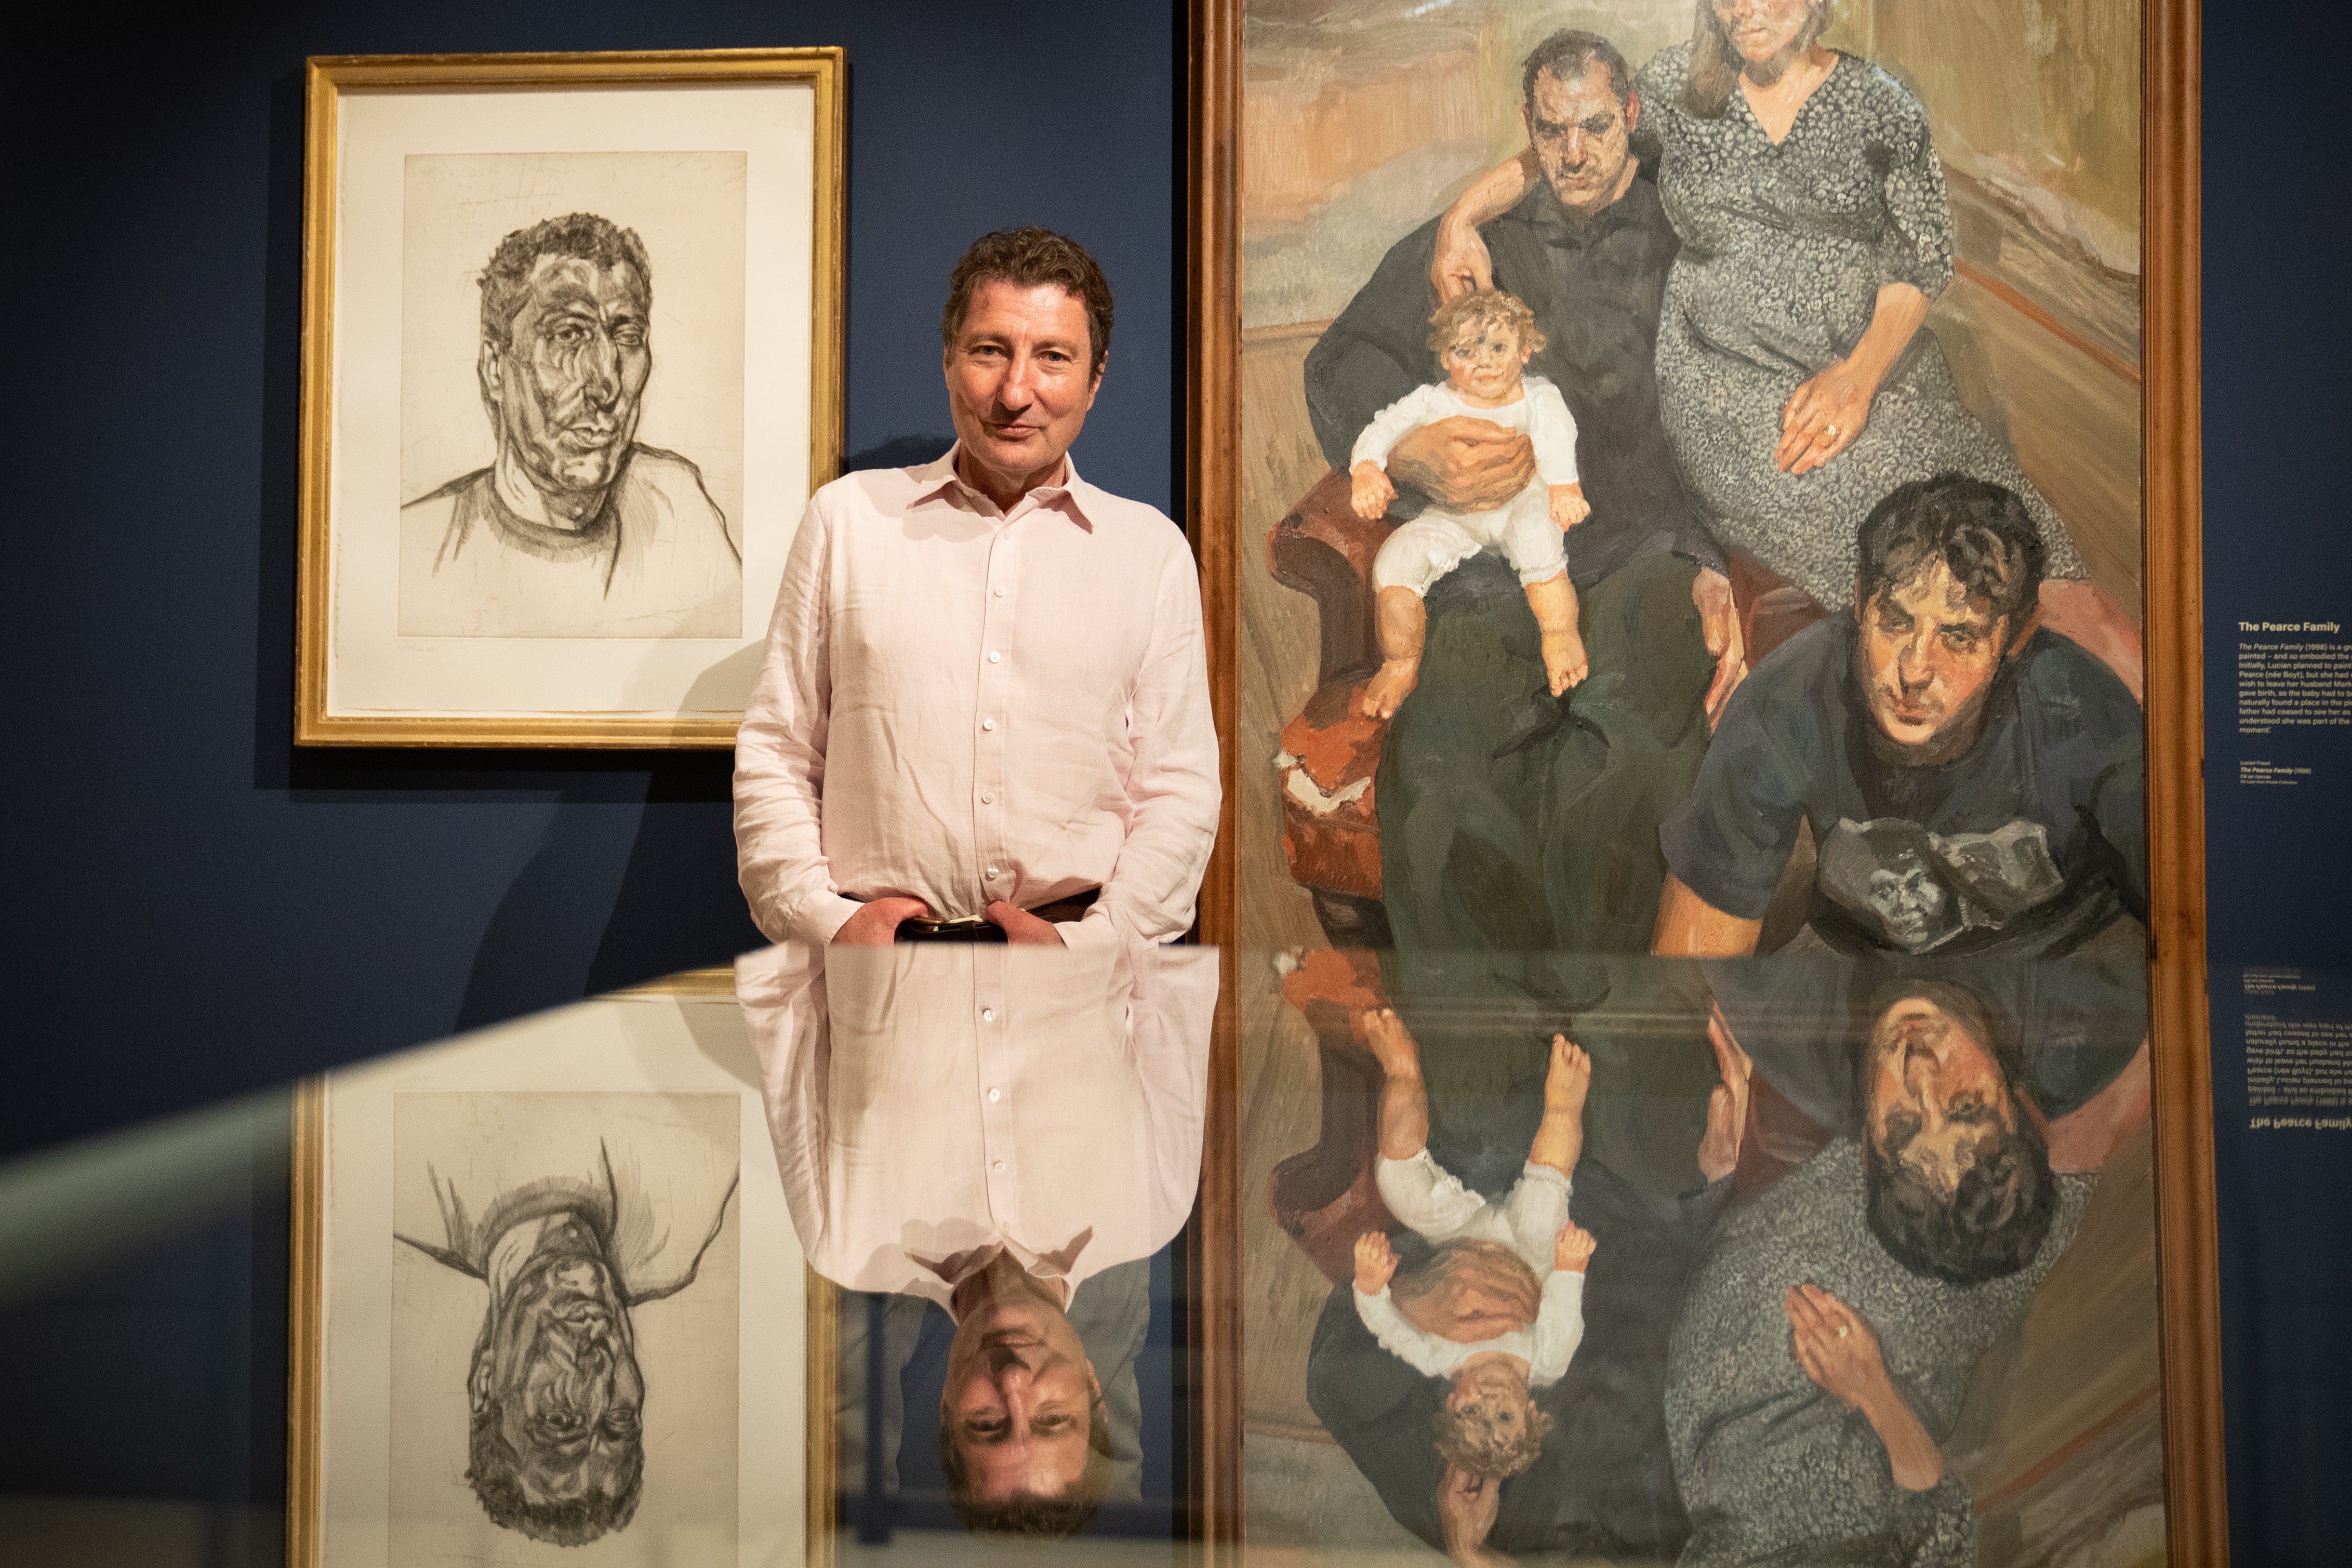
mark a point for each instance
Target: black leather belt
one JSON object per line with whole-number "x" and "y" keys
{"x": 978, "y": 928}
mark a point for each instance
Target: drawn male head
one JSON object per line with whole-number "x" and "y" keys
{"x": 556, "y": 1452}
{"x": 1023, "y": 1434}
{"x": 1955, "y": 1165}
{"x": 566, "y": 317}
{"x": 1580, "y": 111}
{"x": 1950, "y": 575}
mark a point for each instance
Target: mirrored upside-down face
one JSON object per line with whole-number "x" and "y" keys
{"x": 1935, "y": 1100}
{"x": 1582, "y": 135}
{"x": 567, "y": 387}
{"x": 1019, "y": 1398}
{"x": 1485, "y": 359}
{"x": 1764, "y": 30}
{"x": 1929, "y": 654}
{"x": 1489, "y": 1394}
{"x": 561, "y": 1365}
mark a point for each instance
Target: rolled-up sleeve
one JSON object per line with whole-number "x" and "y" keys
{"x": 780, "y": 753}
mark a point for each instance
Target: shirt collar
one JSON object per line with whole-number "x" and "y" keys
{"x": 1074, "y": 498}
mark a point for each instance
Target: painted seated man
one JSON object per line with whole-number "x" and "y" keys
{"x": 576, "y": 529}
{"x": 1973, "y": 785}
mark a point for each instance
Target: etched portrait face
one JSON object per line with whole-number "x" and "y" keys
{"x": 557, "y": 1395}
{"x": 1929, "y": 654}
{"x": 1908, "y": 898}
{"x": 1582, "y": 135}
{"x": 566, "y": 387}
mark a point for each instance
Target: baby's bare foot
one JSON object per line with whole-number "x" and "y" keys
{"x": 1565, "y": 664}
{"x": 1392, "y": 1047}
{"x": 1389, "y": 685}
{"x": 1567, "y": 1080}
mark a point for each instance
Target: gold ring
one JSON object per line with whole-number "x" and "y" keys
{"x": 1841, "y": 1330}
{"x": 1830, "y": 431}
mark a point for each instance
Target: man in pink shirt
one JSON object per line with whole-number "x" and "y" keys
{"x": 983, "y": 710}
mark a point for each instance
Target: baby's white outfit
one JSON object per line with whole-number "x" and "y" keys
{"x": 1420, "y": 551}
{"x": 1439, "y": 1208}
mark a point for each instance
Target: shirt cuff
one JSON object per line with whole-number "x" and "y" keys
{"x": 1093, "y": 932}
{"x": 817, "y": 919}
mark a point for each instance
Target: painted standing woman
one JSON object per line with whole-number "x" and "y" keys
{"x": 1799, "y": 380}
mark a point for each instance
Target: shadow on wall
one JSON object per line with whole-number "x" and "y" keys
{"x": 898, "y": 452}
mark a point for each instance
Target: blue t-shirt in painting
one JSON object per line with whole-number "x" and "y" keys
{"x": 2031, "y": 842}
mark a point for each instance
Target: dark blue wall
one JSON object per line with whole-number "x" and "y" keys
{"x": 192, "y": 905}
{"x": 2278, "y": 438}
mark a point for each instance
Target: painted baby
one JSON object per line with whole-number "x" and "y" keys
{"x": 1484, "y": 340}
{"x": 1489, "y": 1424}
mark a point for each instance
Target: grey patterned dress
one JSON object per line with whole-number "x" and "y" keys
{"x": 1784, "y": 250}
{"x": 1773, "y": 1468}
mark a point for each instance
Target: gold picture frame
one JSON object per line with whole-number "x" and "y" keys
{"x": 360, "y": 680}
{"x": 1218, "y": 462}
{"x": 758, "y": 1217}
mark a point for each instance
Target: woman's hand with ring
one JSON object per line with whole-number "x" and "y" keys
{"x": 1834, "y": 1346}
{"x": 1823, "y": 416}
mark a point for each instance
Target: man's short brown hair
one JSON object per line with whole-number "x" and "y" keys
{"x": 1028, "y": 257}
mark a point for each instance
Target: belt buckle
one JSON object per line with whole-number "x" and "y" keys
{"x": 958, "y": 923}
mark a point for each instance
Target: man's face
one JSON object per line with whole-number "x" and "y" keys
{"x": 1582, "y": 135}
{"x": 1020, "y": 379}
{"x": 1934, "y": 1096}
{"x": 1019, "y": 1398}
{"x": 1908, "y": 896}
{"x": 1763, "y": 30}
{"x": 1928, "y": 655}
{"x": 561, "y": 1364}
{"x": 566, "y": 387}
{"x": 1485, "y": 359}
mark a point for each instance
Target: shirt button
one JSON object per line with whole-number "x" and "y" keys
{"x": 988, "y": 723}
{"x": 995, "y": 1094}
{"x": 998, "y": 1166}
{"x": 998, "y": 592}
{"x": 988, "y": 1015}
{"x": 992, "y": 871}
{"x": 988, "y": 800}
{"x": 993, "y": 657}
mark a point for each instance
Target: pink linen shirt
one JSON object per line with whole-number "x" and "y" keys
{"x": 960, "y": 704}
{"x": 934, "y": 1105}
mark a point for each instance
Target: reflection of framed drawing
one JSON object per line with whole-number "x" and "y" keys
{"x": 546, "y": 1291}
{"x": 2035, "y": 169}
{"x": 572, "y": 365}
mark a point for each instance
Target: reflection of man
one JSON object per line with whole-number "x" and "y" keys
{"x": 986, "y": 698}
{"x": 989, "y": 1127}
{"x": 555, "y": 1391}
{"x": 1586, "y": 780}
{"x": 574, "y": 530}
{"x": 1939, "y": 729}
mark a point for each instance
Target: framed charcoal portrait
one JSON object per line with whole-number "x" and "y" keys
{"x": 1635, "y": 878}
{"x": 571, "y": 366}
{"x": 547, "y": 1294}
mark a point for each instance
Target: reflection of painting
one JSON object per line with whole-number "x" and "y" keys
{"x": 529, "y": 1351}
{"x": 575, "y": 527}
{"x": 1842, "y": 303}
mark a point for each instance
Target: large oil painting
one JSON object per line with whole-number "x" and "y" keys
{"x": 1691, "y": 782}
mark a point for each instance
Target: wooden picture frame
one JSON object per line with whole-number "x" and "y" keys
{"x": 2193, "y": 1474}
{"x": 648, "y": 1048}
{"x": 586, "y": 559}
